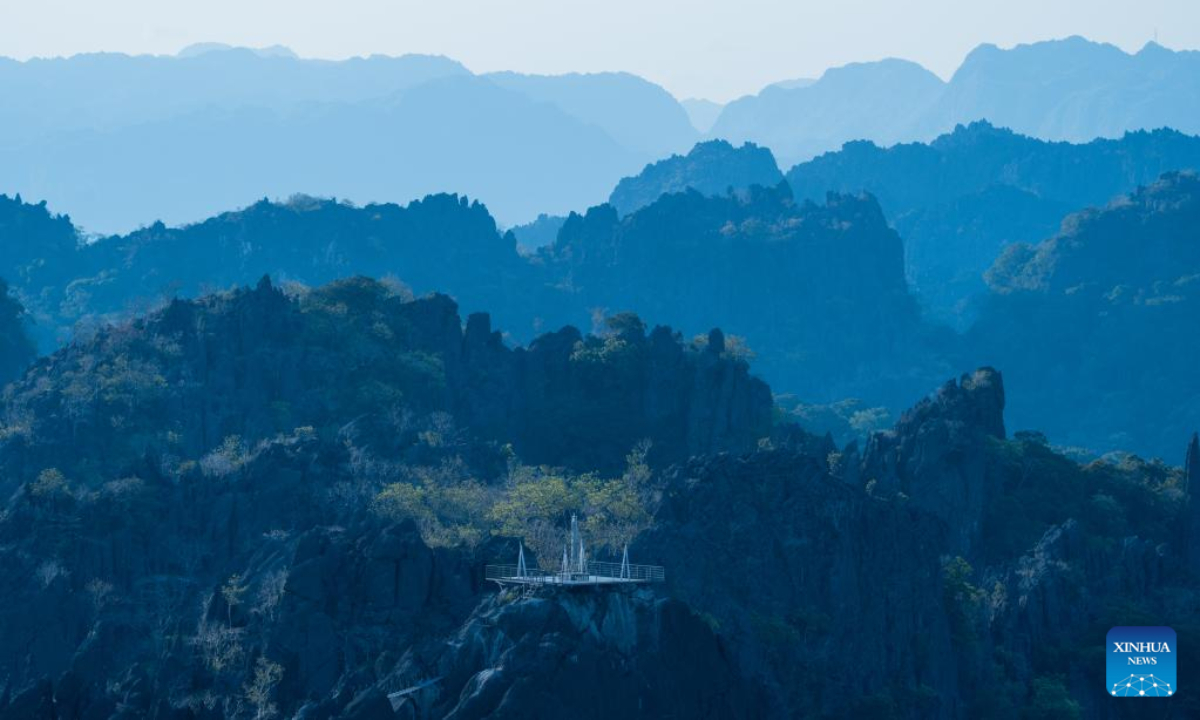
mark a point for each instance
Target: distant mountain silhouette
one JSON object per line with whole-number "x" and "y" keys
{"x": 960, "y": 199}
{"x": 457, "y": 132}
{"x": 712, "y": 168}
{"x": 540, "y": 232}
{"x": 793, "y": 84}
{"x": 119, "y": 139}
{"x": 1070, "y": 89}
{"x": 638, "y": 114}
{"x": 109, "y": 91}
{"x": 1073, "y": 89}
{"x": 879, "y": 100}
{"x": 702, "y": 113}
{"x": 197, "y": 49}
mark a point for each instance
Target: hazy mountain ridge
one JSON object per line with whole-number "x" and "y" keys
{"x": 1070, "y": 89}
{"x": 98, "y": 134}
{"x": 236, "y": 107}
{"x": 960, "y": 199}
{"x": 879, "y": 100}
{"x": 638, "y": 114}
{"x": 816, "y": 292}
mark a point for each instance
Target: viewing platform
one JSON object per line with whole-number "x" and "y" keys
{"x": 576, "y": 570}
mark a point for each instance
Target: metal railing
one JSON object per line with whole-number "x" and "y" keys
{"x": 650, "y": 573}
{"x": 501, "y": 572}
{"x": 600, "y": 571}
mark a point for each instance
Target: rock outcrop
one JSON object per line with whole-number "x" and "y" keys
{"x": 1128, "y": 270}
{"x": 938, "y": 455}
{"x": 961, "y": 198}
{"x": 711, "y": 168}
{"x": 589, "y": 654}
{"x": 787, "y": 561}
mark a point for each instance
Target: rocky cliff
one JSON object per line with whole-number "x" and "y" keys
{"x": 938, "y": 454}
{"x": 963, "y": 197}
{"x": 817, "y": 292}
{"x": 710, "y": 168}
{"x": 1093, "y": 326}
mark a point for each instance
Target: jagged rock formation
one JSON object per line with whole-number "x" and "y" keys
{"x": 584, "y": 655}
{"x": 252, "y": 364}
{"x": 194, "y": 531}
{"x": 787, "y": 560}
{"x": 710, "y": 168}
{"x": 1094, "y": 327}
{"x": 938, "y": 454}
{"x": 816, "y": 291}
{"x": 960, "y": 199}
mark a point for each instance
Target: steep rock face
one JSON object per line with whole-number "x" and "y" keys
{"x": 711, "y": 168}
{"x": 598, "y": 654}
{"x": 1066, "y": 588}
{"x": 164, "y": 600}
{"x": 1128, "y": 271}
{"x": 787, "y": 561}
{"x": 960, "y": 199}
{"x": 937, "y": 455}
{"x": 816, "y": 291}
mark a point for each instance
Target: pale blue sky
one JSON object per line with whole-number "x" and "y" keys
{"x": 717, "y": 50}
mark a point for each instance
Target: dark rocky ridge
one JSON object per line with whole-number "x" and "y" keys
{"x": 789, "y": 561}
{"x": 960, "y": 199}
{"x": 784, "y": 560}
{"x": 937, "y": 455}
{"x": 817, "y": 291}
{"x": 253, "y": 364}
{"x": 710, "y": 168}
{"x": 597, "y": 654}
{"x": 1095, "y": 327}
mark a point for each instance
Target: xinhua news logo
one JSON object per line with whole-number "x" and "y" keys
{"x": 1141, "y": 662}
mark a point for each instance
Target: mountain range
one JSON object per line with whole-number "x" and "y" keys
{"x": 905, "y": 430}
{"x": 686, "y": 258}
{"x": 202, "y": 132}
{"x": 815, "y": 293}
{"x": 1071, "y": 89}
{"x": 267, "y": 502}
{"x": 121, "y": 140}
{"x": 960, "y": 199}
